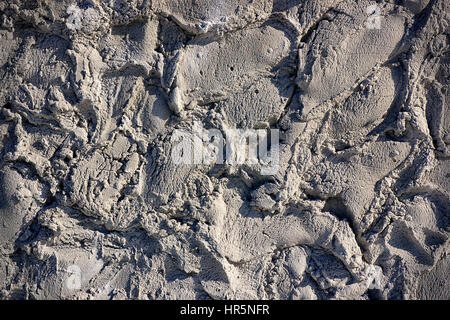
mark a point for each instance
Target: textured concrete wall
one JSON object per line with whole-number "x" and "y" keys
{"x": 355, "y": 95}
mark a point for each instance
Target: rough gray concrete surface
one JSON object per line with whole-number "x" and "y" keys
{"x": 92, "y": 205}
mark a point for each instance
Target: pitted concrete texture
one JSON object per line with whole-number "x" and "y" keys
{"x": 92, "y": 206}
